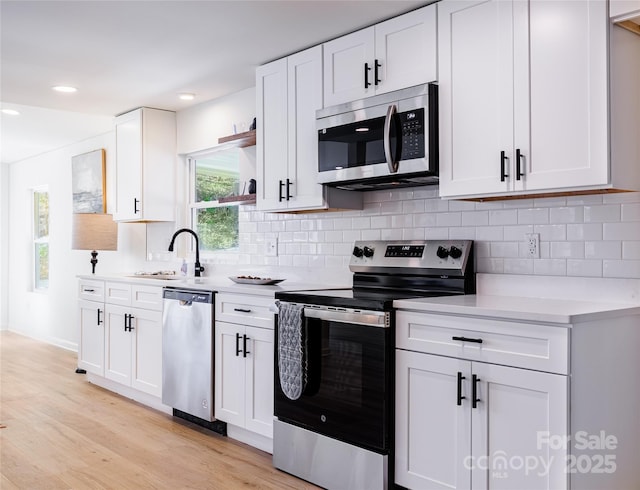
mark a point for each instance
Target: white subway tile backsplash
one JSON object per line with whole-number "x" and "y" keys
{"x": 533, "y": 216}
{"x": 584, "y": 268}
{"x": 572, "y": 214}
{"x": 602, "y": 214}
{"x": 590, "y": 236}
{"x": 590, "y": 231}
{"x": 602, "y": 250}
{"x": 503, "y": 217}
{"x": 567, "y": 250}
{"x": 631, "y": 250}
{"x": 448, "y": 219}
{"x": 631, "y": 212}
{"x": 621, "y": 231}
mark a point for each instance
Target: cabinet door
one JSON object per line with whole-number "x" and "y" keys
{"x": 516, "y": 408}
{"x": 147, "y": 351}
{"x": 91, "y": 342}
{"x": 259, "y": 381}
{"x": 117, "y": 352}
{"x": 561, "y": 93}
{"x": 344, "y": 67}
{"x": 476, "y": 96}
{"x": 405, "y": 48}
{"x": 271, "y": 134}
{"x": 229, "y": 374}
{"x": 129, "y": 166}
{"x": 433, "y": 432}
{"x": 304, "y": 99}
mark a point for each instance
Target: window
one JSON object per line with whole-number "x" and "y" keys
{"x": 41, "y": 239}
{"x": 215, "y": 175}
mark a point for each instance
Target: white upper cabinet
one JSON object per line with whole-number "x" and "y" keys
{"x": 288, "y": 94}
{"x": 524, "y": 98}
{"x": 392, "y": 55}
{"x": 624, "y": 9}
{"x": 145, "y": 165}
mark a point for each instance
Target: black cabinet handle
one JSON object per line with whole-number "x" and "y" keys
{"x": 366, "y": 75}
{"x": 244, "y": 346}
{"x": 474, "y": 391}
{"x": 89, "y": 290}
{"x": 460, "y": 397}
{"x": 238, "y": 344}
{"x": 518, "y": 166}
{"x": 288, "y": 189}
{"x": 467, "y": 339}
{"x": 503, "y": 169}
{"x": 135, "y": 205}
{"x": 242, "y": 310}
{"x": 376, "y": 79}
{"x": 280, "y": 198}
{"x": 99, "y": 320}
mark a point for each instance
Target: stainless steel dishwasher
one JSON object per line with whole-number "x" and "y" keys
{"x": 187, "y": 352}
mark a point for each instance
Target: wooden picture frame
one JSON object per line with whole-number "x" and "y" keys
{"x": 88, "y": 182}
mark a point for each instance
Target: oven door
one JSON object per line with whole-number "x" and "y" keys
{"x": 348, "y": 395}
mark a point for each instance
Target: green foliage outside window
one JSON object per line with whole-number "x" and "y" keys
{"x": 217, "y": 226}
{"x": 41, "y": 239}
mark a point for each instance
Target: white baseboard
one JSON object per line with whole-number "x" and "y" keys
{"x": 128, "y": 392}
{"x": 256, "y": 440}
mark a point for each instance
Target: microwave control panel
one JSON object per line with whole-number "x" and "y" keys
{"x": 412, "y": 130}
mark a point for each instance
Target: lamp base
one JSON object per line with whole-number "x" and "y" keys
{"x": 94, "y": 261}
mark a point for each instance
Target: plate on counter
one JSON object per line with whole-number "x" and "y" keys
{"x": 261, "y": 281}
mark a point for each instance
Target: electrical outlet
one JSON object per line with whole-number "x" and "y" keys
{"x": 271, "y": 247}
{"x": 533, "y": 245}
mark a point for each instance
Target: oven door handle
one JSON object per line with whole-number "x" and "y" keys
{"x": 391, "y": 163}
{"x": 368, "y": 318}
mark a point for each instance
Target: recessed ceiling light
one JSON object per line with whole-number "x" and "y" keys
{"x": 10, "y": 112}
{"x": 66, "y": 90}
{"x": 186, "y": 96}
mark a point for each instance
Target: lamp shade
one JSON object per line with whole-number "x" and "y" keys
{"x": 94, "y": 232}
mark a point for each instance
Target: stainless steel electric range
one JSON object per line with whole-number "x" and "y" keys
{"x": 337, "y": 432}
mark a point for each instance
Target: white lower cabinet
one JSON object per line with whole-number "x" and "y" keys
{"x": 121, "y": 338}
{"x": 91, "y": 322}
{"x": 463, "y": 424}
{"x": 133, "y": 348}
{"x": 244, "y": 362}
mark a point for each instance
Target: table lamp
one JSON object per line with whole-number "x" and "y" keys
{"x": 94, "y": 232}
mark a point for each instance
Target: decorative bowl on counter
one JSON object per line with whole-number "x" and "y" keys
{"x": 260, "y": 281}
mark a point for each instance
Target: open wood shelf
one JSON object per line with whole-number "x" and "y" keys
{"x": 242, "y": 199}
{"x": 240, "y": 140}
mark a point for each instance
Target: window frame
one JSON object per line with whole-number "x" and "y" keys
{"x": 194, "y": 206}
{"x": 39, "y": 284}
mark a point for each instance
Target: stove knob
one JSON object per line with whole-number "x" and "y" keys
{"x": 442, "y": 252}
{"x": 455, "y": 252}
{"x": 368, "y": 252}
{"x": 357, "y": 252}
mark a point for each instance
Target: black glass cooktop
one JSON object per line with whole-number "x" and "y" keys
{"x": 366, "y": 299}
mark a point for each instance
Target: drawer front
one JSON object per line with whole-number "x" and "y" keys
{"x": 245, "y": 309}
{"x": 91, "y": 290}
{"x": 118, "y": 293}
{"x": 539, "y": 347}
{"x": 146, "y": 297}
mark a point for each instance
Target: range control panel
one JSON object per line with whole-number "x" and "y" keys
{"x": 410, "y": 254}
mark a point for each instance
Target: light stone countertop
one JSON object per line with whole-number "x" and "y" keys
{"x": 518, "y": 308}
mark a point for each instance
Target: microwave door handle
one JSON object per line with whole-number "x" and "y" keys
{"x": 391, "y": 163}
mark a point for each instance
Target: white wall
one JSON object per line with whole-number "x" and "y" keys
{"x": 52, "y": 316}
{"x": 4, "y": 244}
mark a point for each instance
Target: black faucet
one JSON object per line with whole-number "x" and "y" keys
{"x": 198, "y": 268}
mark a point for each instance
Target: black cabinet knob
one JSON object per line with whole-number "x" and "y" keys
{"x": 455, "y": 252}
{"x": 442, "y": 252}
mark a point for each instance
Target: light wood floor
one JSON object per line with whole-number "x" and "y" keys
{"x": 59, "y": 431}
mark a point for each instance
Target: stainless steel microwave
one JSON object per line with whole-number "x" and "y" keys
{"x": 386, "y": 141}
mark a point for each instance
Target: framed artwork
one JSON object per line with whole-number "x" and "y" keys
{"x": 88, "y": 182}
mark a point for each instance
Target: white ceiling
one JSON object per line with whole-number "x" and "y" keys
{"x": 126, "y": 54}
